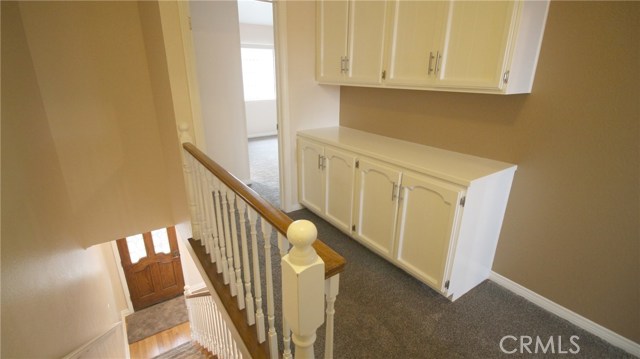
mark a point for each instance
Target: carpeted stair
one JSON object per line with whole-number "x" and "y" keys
{"x": 188, "y": 350}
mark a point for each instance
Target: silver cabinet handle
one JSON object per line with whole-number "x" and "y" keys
{"x": 394, "y": 191}
{"x": 319, "y": 162}
{"x": 438, "y": 58}
{"x": 430, "y": 69}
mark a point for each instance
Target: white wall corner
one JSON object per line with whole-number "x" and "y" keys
{"x": 590, "y": 326}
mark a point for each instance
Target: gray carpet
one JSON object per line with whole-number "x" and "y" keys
{"x": 156, "y": 318}
{"x": 263, "y": 164}
{"x": 382, "y": 312}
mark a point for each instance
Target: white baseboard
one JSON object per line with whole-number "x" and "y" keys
{"x": 125, "y": 312}
{"x": 564, "y": 313}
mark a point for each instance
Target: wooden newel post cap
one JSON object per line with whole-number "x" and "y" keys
{"x": 302, "y": 234}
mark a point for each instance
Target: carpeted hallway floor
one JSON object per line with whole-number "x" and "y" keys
{"x": 382, "y": 312}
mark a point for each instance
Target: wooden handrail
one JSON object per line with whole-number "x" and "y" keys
{"x": 197, "y": 295}
{"x": 334, "y": 263}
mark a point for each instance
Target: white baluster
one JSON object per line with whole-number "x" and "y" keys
{"x": 195, "y": 224}
{"x": 331, "y": 286}
{"x": 224, "y": 249}
{"x": 211, "y": 216}
{"x": 196, "y": 321}
{"x": 215, "y": 250}
{"x": 283, "y": 246}
{"x": 236, "y": 251}
{"x": 251, "y": 315}
{"x": 257, "y": 283}
{"x": 228, "y": 253}
{"x": 221, "y": 260}
{"x": 210, "y": 325}
{"x": 188, "y": 174}
{"x": 204, "y": 197}
{"x": 217, "y": 343}
{"x": 273, "y": 337}
{"x": 199, "y": 200}
{"x": 187, "y": 292}
{"x": 303, "y": 287}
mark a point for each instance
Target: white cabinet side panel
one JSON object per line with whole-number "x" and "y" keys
{"x": 480, "y": 228}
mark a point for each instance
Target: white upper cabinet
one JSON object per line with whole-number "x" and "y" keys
{"x": 416, "y": 41}
{"x": 465, "y": 46}
{"x": 331, "y": 40}
{"x": 350, "y": 41}
{"x": 477, "y": 49}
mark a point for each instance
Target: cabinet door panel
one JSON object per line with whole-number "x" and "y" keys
{"x": 479, "y": 34}
{"x": 366, "y": 41}
{"x": 311, "y": 176}
{"x": 418, "y": 29}
{"x": 377, "y": 205}
{"x": 339, "y": 173}
{"x": 425, "y": 227}
{"x": 333, "y": 18}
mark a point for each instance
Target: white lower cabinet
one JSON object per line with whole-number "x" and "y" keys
{"x": 326, "y": 182}
{"x": 426, "y": 227}
{"x": 436, "y": 214}
{"x": 376, "y": 205}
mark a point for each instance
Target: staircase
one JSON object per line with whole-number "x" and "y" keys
{"x": 189, "y": 350}
{"x": 265, "y": 300}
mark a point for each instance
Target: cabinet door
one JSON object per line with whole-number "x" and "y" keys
{"x": 376, "y": 206}
{"x": 426, "y": 222}
{"x": 331, "y": 42}
{"x": 366, "y": 42}
{"x": 478, "y": 41}
{"x": 417, "y": 30}
{"x": 311, "y": 182}
{"x": 339, "y": 167}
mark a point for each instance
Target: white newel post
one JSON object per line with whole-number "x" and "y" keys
{"x": 183, "y": 129}
{"x": 303, "y": 287}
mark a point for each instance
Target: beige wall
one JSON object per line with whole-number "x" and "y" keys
{"x": 56, "y": 295}
{"x": 216, "y": 39}
{"x": 89, "y": 154}
{"x": 101, "y": 111}
{"x": 571, "y": 230}
{"x": 309, "y": 105}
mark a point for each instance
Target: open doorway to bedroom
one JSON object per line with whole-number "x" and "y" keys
{"x": 260, "y": 96}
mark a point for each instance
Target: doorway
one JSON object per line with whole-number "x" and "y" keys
{"x": 151, "y": 265}
{"x": 260, "y": 96}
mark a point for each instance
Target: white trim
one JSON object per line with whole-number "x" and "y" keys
{"x": 123, "y": 279}
{"x": 285, "y": 141}
{"x": 198, "y": 287}
{"x": 262, "y": 134}
{"x": 564, "y": 313}
{"x": 93, "y": 342}
{"x": 125, "y": 335}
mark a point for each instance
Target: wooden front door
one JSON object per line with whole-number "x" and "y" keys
{"x": 151, "y": 263}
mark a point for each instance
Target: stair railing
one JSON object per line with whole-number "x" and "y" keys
{"x": 233, "y": 229}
